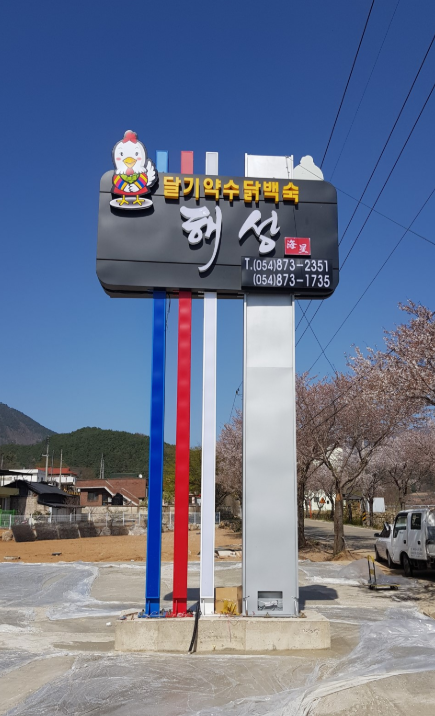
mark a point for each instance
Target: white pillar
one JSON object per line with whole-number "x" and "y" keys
{"x": 270, "y": 547}
{"x": 208, "y": 468}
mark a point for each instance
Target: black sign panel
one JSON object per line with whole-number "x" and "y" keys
{"x": 195, "y": 241}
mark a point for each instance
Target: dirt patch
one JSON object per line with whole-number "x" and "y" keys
{"x": 317, "y": 551}
{"x": 107, "y": 549}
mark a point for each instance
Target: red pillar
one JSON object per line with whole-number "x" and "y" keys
{"x": 182, "y": 454}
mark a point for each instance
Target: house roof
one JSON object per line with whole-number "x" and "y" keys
{"x": 40, "y": 488}
{"x": 56, "y": 470}
{"x": 92, "y": 487}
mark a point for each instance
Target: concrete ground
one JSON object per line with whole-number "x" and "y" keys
{"x": 57, "y": 632}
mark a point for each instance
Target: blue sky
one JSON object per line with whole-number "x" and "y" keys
{"x": 232, "y": 77}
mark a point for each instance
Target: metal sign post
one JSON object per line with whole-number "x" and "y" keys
{"x": 208, "y": 471}
{"x": 155, "y": 478}
{"x": 270, "y": 554}
{"x": 270, "y": 239}
{"x": 208, "y": 460}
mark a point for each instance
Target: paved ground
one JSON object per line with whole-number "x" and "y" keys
{"x": 356, "y": 537}
{"x": 57, "y": 632}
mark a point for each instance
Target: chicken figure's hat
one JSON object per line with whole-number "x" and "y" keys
{"x": 130, "y": 136}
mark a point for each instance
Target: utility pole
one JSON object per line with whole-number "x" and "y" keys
{"x": 47, "y": 448}
{"x": 60, "y": 471}
{"x": 102, "y": 467}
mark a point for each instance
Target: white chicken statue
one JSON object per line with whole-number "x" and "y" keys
{"x": 134, "y": 173}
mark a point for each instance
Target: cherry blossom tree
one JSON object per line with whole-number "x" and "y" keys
{"x": 358, "y": 416}
{"x": 322, "y": 481}
{"x": 372, "y": 483}
{"x": 307, "y": 450}
{"x": 408, "y": 363}
{"x": 229, "y": 454}
{"x": 407, "y": 461}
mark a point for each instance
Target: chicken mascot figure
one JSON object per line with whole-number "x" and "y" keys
{"x": 134, "y": 173}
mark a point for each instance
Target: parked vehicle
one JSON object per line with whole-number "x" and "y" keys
{"x": 411, "y": 542}
{"x": 383, "y": 542}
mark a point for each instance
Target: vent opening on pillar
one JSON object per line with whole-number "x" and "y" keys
{"x": 270, "y": 601}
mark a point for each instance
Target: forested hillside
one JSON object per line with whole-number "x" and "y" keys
{"x": 16, "y": 427}
{"x": 82, "y": 450}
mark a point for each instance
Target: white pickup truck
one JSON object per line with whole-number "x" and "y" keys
{"x": 411, "y": 542}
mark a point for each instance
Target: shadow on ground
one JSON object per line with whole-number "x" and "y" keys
{"x": 192, "y": 595}
{"x": 316, "y": 593}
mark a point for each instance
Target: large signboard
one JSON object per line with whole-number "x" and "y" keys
{"x": 213, "y": 233}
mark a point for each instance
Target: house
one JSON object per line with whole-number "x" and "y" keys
{"x": 5, "y": 498}
{"x": 119, "y": 490}
{"x": 319, "y": 501}
{"x": 54, "y": 477}
{"x": 41, "y": 497}
{"x": 36, "y": 474}
{"x": 64, "y": 478}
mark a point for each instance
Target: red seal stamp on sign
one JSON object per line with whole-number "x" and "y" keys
{"x": 297, "y": 247}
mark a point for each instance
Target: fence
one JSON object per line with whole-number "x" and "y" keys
{"x": 194, "y": 518}
{"x": 7, "y": 520}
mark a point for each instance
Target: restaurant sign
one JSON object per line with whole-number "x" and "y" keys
{"x": 212, "y": 233}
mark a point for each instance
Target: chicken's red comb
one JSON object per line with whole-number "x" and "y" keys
{"x": 130, "y": 136}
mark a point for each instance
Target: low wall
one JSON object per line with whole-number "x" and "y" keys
{"x": 224, "y": 634}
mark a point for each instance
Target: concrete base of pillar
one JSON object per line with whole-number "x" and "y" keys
{"x": 225, "y": 634}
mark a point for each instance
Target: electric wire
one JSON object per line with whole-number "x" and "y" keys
{"x": 317, "y": 339}
{"x": 389, "y": 136}
{"x": 348, "y": 81}
{"x": 388, "y": 177}
{"x": 375, "y": 276}
{"x": 365, "y": 89}
{"x": 234, "y": 401}
{"x": 389, "y": 218}
{"x": 384, "y": 216}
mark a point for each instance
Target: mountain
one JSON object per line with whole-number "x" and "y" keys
{"x": 15, "y": 427}
{"x": 82, "y": 450}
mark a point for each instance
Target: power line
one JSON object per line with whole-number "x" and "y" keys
{"x": 384, "y": 216}
{"x": 380, "y": 213}
{"x": 389, "y": 175}
{"x": 309, "y": 322}
{"x": 390, "y": 134}
{"x": 365, "y": 89}
{"x": 315, "y": 336}
{"x": 348, "y": 81}
{"x": 376, "y": 275}
{"x": 234, "y": 401}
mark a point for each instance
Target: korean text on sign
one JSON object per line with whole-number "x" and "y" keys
{"x": 174, "y": 187}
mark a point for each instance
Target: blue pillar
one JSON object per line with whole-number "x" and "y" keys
{"x": 155, "y": 478}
